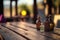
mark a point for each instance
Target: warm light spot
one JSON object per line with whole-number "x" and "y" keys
{"x": 31, "y": 15}
{"x": 57, "y": 10}
{"x": 56, "y": 18}
{"x": 6, "y": 13}
{"x": 46, "y": 10}
{"x": 52, "y": 10}
{"x": 24, "y": 13}
{"x": 45, "y": 1}
{"x": 13, "y": 12}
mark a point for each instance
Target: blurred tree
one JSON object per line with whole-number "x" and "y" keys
{"x": 35, "y": 11}
{"x": 16, "y": 7}
{"x": 11, "y": 8}
{"x": 56, "y": 2}
{"x": 57, "y": 5}
{"x": 1, "y": 7}
{"x": 1, "y": 12}
{"x": 24, "y": 7}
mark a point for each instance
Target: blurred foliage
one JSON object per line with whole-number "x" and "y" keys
{"x": 56, "y": 2}
{"x": 25, "y": 7}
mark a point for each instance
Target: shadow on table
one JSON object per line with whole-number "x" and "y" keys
{"x": 58, "y": 24}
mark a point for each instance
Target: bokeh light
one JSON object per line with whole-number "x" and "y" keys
{"x": 24, "y": 13}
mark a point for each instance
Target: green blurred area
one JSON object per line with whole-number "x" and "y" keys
{"x": 56, "y": 2}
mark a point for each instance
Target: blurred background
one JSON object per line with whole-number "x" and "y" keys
{"x": 26, "y": 12}
{"x": 29, "y": 9}
{"x": 25, "y": 6}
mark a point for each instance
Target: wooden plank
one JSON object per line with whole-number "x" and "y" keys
{"x": 29, "y": 34}
{"x": 51, "y": 35}
{"x": 9, "y": 35}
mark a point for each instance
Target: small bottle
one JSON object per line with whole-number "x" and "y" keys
{"x": 42, "y": 28}
{"x": 38, "y": 23}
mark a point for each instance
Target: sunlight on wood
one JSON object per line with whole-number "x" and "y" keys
{"x": 56, "y": 18}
